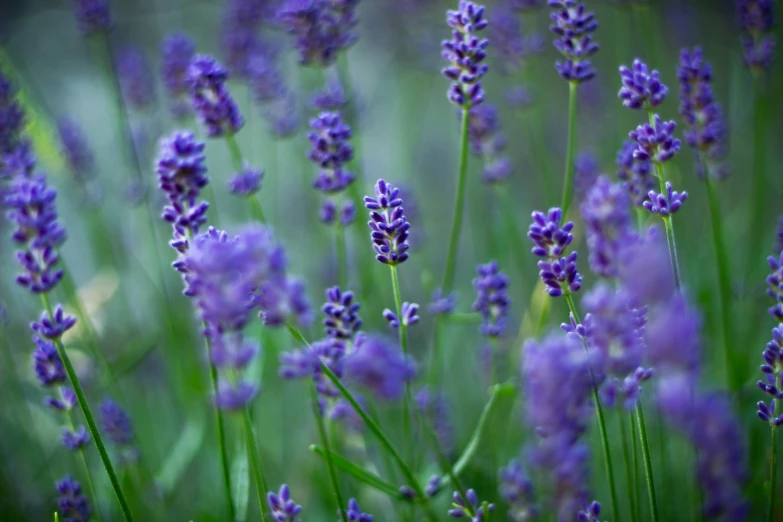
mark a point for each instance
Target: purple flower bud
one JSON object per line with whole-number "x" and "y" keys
{"x": 135, "y": 77}
{"x": 177, "y": 52}
{"x": 757, "y": 20}
{"x": 469, "y": 507}
{"x": 354, "y": 513}
{"x": 74, "y": 148}
{"x": 442, "y": 305}
{"x": 560, "y": 275}
{"x": 92, "y": 16}
{"x": 606, "y": 211}
{"x": 634, "y": 173}
{"x": 573, "y": 27}
{"x": 409, "y": 316}
{"x": 656, "y": 144}
{"x": 665, "y": 205}
{"x": 48, "y": 366}
{"x": 320, "y": 29}
{"x": 465, "y": 53}
{"x": 265, "y": 79}
{"x": 72, "y": 505}
{"x": 342, "y": 319}
{"x": 591, "y": 513}
{"x": 331, "y": 152}
{"x": 54, "y": 327}
{"x": 433, "y": 486}
{"x": 549, "y": 238}
{"x": 331, "y": 98}
{"x": 377, "y": 364}
{"x": 75, "y": 439}
{"x": 212, "y": 102}
{"x": 641, "y": 89}
{"x": 283, "y": 508}
{"x": 388, "y": 224}
{"x": 246, "y": 182}
{"x": 516, "y": 489}
{"x": 491, "y": 302}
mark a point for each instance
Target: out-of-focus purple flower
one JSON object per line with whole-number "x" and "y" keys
{"x": 92, "y": 16}
{"x": 264, "y": 77}
{"x": 516, "y": 489}
{"x": 488, "y": 142}
{"x": 772, "y": 383}
{"x": 75, "y": 439}
{"x": 673, "y": 335}
{"x": 74, "y": 148}
{"x": 756, "y": 17}
{"x": 442, "y": 305}
{"x": 331, "y": 151}
{"x": 625, "y": 391}
{"x": 665, "y": 204}
{"x": 342, "y": 319}
{"x": 775, "y": 286}
{"x": 549, "y": 238}
{"x": 355, "y": 514}
{"x": 518, "y": 97}
{"x": 246, "y": 182}
{"x": 306, "y": 363}
{"x": 607, "y": 216}
{"x": 55, "y": 326}
{"x": 177, "y": 51}
{"x": 343, "y": 411}
{"x": 641, "y": 89}
{"x": 573, "y": 27}
{"x": 634, "y": 173}
{"x": 239, "y": 32}
{"x": 321, "y": 28}
{"x": 212, "y": 102}
{"x": 390, "y": 228}
{"x": 779, "y": 236}
{"x": 512, "y": 46}
{"x": 645, "y": 269}
{"x": 12, "y": 119}
{"x": 282, "y": 116}
{"x": 48, "y": 366}
{"x": 591, "y": 513}
{"x": 435, "y": 406}
{"x": 135, "y": 77}
{"x": 409, "y": 317}
{"x": 586, "y": 171}
{"x": 284, "y": 509}
{"x": 465, "y": 53}
{"x": 377, "y": 364}
{"x": 72, "y": 505}
{"x": 19, "y": 162}
{"x": 560, "y": 276}
{"x": 331, "y": 97}
{"x": 706, "y": 131}
{"x": 116, "y": 423}
{"x": 526, "y": 5}
{"x": 491, "y": 302}
{"x": 656, "y": 144}
{"x": 470, "y": 507}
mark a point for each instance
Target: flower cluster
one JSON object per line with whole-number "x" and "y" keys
{"x": 267, "y": 85}
{"x": 246, "y": 182}
{"x": 75, "y": 149}
{"x": 559, "y": 274}
{"x": 706, "y": 131}
{"x": 488, "y": 142}
{"x": 212, "y": 102}
{"x": 511, "y": 46}
{"x": 470, "y": 507}
{"x": 177, "y": 51}
{"x": 239, "y": 32}
{"x": 573, "y": 26}
{"x": 135, "y": 77}
{"x": 435, "y": 407}
{"x": 641, "y": 89}
{"x": 655, "y": 142}
{"x": 390, "y": 228}
{"x": 377, "y": 364}
{"x": 355, "y": 514}
{"x": 491, "y": 299}
{"x": 92, "y": 16}
{"x": 591, "y": 513}
{"x": 634, "y": 173}
{"x": 465, "y": 53}
{"x": 772, "y": 384}
{"x": 331, "y": 152}
{"x": 665, "y": 204}
{"x": 775, "y": 286}
{"x": 284, "y": 509}
{"x": 321, "y": 28}
{"x": 516, "y": 490}
{"x": 118, "y": 427}
{"x": 407, "y": 317}
{"x": 756, "y": 17}
{"x": 72, "y": 505}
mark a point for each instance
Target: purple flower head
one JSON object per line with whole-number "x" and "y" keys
{"x": 634, "y": 173}
{"x": 757, "y": 20}
{"x": 656, "y": 144}
{"x": 488, "y": 142}
{"x": 239, "y": 36}
{"x": 772, "y": 382}
{"x": 470, "y": 507}
{"x": 606, "y": 211}
{"x": 591, "y": 513}
{"x": 321, "y": 28}
{"x": 47, "y": 365}
{"x": 645, "y": 270}
{"x": 331, "y": 97}
{"x": 779, "y": 236}
{"x": 306, "y": 363}
{"x": 409, "y": 317}
{"x": 673, "y": 335}
{"x": 626, "y": 391}
{"x": 491, "y": 299}
{"x": 775, "y": 286}
{"x": 518, "y": 97}
{"x": 177, "y": 51}
{"x": 549, "y": 238}
{"x": 641, "y": 89}
{"x": 20, "y": 162}
{"x": 72, "y": 505}
{"x": 465, "y": 53}
{"x": 442, "y": 305}
{"x": 377, "y": 364}
{"x": 586, "y": 172}
{"x": 389, "y": 226}
{"x": 706, "y": 128}
{"x": 12, "y": 118}
{"x": 665, "y": 205}
{"x": 516, "y": 489}
{"x": 331, "y": 152}
{"x": 573, "y": 27}
{"x": 510, "y": 44}
{"x": 435, "y": 406}
{"x": 212, "y": 102}
{"x": 342, "y": 319}
{"x": 246, "y": 182}
{"x": 31, "y": 208}
{"x": 116, "y": 423}
{"x": 92, "y": 16}
{"x": 53, "y": 327}
{"x": 265, "y": 78}
{"x": 560, "y": 276}
{"x": 283, "y": 508}
{"x": 283, "y": 116}
{"x": 75, "y": 439}
{"x": 75, "y": 149}
{"x": 355, "y": 514}
{"x": 135, "y": 77}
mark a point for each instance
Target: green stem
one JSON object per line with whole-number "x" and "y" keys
{"x": 256, "y": 210}
{"x": 773, "y": 468}
{"x": 85, "y": 407}
{"x": 329, "y": 464}
{"x": 262, "y": 487}
{"x": 342, "y": 260}
{"x": 601, "y": 424}
{"x": 459, "y": 204}
{"x": 87, "y": 473}
{"x": 236, "y": 153}
{"x": 568, "y": 182}
{"x": 406, "y": 403}
{"x": 647, "y": 462}
{"x": 628, "y": 467}
{"x": 758, "y": 167}
{"x": 724, "y": 279}
{"x": 360, "y": 474}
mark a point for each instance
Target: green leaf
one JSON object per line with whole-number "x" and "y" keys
{"x": 360, "y": 474}
{"x": 182, "y": 453}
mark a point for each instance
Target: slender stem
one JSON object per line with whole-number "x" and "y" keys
{"x": 647, "y": 462}
{"x": 361, "y": 474}
{"x": 757, "y": 227}
{"x": 262, "y": 487}
{"x": 459, "y": 204}
{"x": 630, "y": 484}
{"x": 724, "y": 279}
{"x": 342, "y": 260}
{"x": 87, "y": 473}
{"x": 773, "y": 471}
{"x": 601, "y": 424}
{"x": 91, "y": 425}
{"x": 328, "y": 453}
{"x": 406, "y": 403}
{"x": 236, "y": 153}
{"x": 635, "y": 456}
{"x": 256, "y": 210}
{"x": 568, "y": 182}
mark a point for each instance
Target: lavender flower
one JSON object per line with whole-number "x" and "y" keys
{"x": 321, "y": 29}
{"x": 388, "y": 224}
{"x": 283, "y": 508}
{"x": 488, "y": 142}
{"x": 706, "y": 131}
{"x": 573, "y": 26}
{"x": 355, "y": 514}
{"x": 673, "y": 339}
{"x": 135, "y": 77}
{"x": 435, "y": 407}
{"x": 591, "y": 513}
{"x": 72, "y": 505}
{"x": 644, "y": 269}
{"x": 116, "y": 423}
{"x": 331, "y": 151}
{"x": 92, "y": 16}
{"x": 549, "y": 238}
{"x": 491, "y": 299}
{"x": 526, "y": 5}
{"x": 465, "y": 53}
{"x": 239, "y": 35}
{"x": 586, "y": 172}
{"x": 775, "y": 286}
{"x": 508, "y": 40}
{"x": 342, "y": 319}
{"x": 47, "y": 365}
{"x": 655, "y": 143}
{"x": 55, "y": 326}
{"x": 377, "y": 364}
{"x": 246, "y": 182}
{"x": 12, "y": 118}
{"x": 560, "y": 276}
{"x": 516, "y": 489}
{"x": 625, "y": 391}
{"x": 74, "y": 148}
{"x": 331, "y": 98}
{"x": 757, "y": 20}
{"x": 177, "y": 51}
{"x": 211, "y": 100}
{"x": 408, "y": 316}
{"x": 442, "y": 305}
{"x": 469, "y": 507}
{"x": 19, "y": 162}
{"x": 306, "y": 363}
{"x": 772, "y": 383}
{"x": 641, "y": 89}
{"x": 665, "y": 205}
{"x": 75, "y": 439}
{"x": 634, "y": 173}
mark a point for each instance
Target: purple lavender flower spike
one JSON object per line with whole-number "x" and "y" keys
{"x": 75, "y": 440}
{"x": 491, "y": 302}
{"x": 92, "y": 16}
{"x": 12, "y": 119}
{"x": 409, "y": 316}
{"x": 265, "y": 79}
{"x": 516, "y": 489}
{"x": 591, "y": 513}
{"x": 331, "y": 151}
{"x": 355, "y": 514}
{"x": 573, "y": 27}
{"x": 116, "y": 423}
{"x": 377, "y": 364}
{"x": 775, "y": 286}
{"x": 54, "y": 327}
{"x": 465, "y": 53}
{"x": 19, "y": 162}
{"x": 435, "y": 407}
{"x": 641, "y": 89}
{"x": 75, "y": 149}
{"x": 644, "y": 269}
{"x": 390, "y": 228}
{"x": 284, "y": 509}
{"x": 560, "y": 275}
{"x": 673, "y": 336}
{"x": 307, "y": 364}
{"x": 511, "y": 45}
{"x": 47, "y": 365}
{"x": 321, "y": 30}
{"x": 246, "y": 182}
{"x": 331, "y": 98}
{"x": 239, "y": 32}
{"x": 634, "y": 173}
{"x": 655, "y": 144}
{"x": 757, "y": 20}
{"x": 470, "y": 507}
{"x": 442, "y": 305}
{"x": 488, "y": 142}
{"x": 433, "y": 486}
{"x": 665, "y": 205}
{"x": 342, "y": 319}
{"x": 72, "y": 505}
{"x": 772, "y": 383}
{"x": 135, "y": 77}
{"x": 212, "y": 102}
{"x": 177, "y": 51}
{"x": 549, "y": 238}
